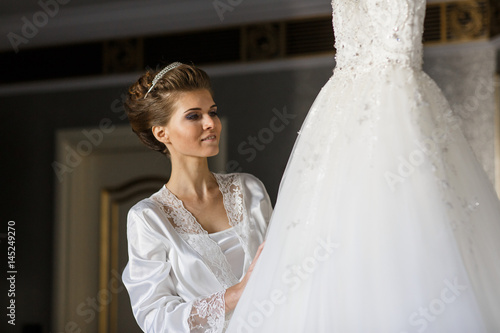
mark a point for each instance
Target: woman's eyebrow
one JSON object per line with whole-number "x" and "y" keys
{"x": 199, "y": 109}
{"x": 193, "y": 109}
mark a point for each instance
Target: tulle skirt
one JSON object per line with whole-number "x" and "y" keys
{"x": 385, "y": 222}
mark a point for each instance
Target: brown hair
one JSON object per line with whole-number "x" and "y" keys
{"x": 157, "y": 107}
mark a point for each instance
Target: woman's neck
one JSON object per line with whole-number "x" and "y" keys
{"x": 191, "y": 178}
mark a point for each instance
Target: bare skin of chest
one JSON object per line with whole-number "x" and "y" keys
{"x": 209, "y": 211}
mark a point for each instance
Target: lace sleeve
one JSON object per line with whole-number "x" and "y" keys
{"x": 208, "y": 314}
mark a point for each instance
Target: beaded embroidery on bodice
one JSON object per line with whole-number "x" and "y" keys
{"x": 378, "y": 32}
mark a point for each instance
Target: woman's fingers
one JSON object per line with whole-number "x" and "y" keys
{"x": 259, "y": 250}
{"x": 256, "y": 257}
{"x": 233, "y": 293}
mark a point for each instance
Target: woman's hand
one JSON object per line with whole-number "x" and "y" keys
{"x": 233, "y": 294}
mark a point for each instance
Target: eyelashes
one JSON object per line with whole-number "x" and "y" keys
{"x": 197, "y": 116}
{"x": 192, "y": 116}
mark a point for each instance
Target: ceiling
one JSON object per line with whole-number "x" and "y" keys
{"x": 13, "y": 7}
{"x": 90, "y": 20}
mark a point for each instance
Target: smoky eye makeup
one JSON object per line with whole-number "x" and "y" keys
{"x": 192, "y": 116}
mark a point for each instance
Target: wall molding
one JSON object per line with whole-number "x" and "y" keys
{"x": 124, "y": 80}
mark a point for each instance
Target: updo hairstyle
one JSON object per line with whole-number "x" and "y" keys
{"x": 157, "y": 107}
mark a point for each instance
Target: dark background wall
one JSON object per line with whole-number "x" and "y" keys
{"x": 249, "y": 101}
{"x": 29, "y": 123}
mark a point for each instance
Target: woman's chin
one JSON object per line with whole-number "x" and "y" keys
{"x": 209, "y": 151}
{"x": 214, "y": 153}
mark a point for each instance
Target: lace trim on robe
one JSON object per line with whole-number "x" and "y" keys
{"x": 208, "y": 314}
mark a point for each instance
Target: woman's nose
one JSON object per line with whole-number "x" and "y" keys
{"x": 208, "y": 122}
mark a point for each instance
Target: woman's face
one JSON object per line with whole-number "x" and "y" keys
{"x": 194, "y": 128}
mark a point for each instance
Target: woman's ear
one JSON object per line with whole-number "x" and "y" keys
{"x": 161, "y": 134}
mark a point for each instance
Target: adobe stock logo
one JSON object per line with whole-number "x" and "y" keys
{"x": 30, "y": 28}
{"x": 256, "y": 143}
{"x": 292, "y": 278}
{"x": 222, "y": 6}
{"x": 426, "y": 315}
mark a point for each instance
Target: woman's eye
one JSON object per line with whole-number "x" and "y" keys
{"x": 213, "y": 113}
{"x": 192, "y": 116}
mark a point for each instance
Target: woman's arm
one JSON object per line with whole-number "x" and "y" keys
{"x": 155, "y": 301}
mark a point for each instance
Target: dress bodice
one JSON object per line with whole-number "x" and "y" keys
{"x": 377, "y": 32}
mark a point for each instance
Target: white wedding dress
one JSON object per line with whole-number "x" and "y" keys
{"x": 385, "y": 222}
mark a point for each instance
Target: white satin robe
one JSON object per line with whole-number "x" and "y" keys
{"x": 176, "y": 275}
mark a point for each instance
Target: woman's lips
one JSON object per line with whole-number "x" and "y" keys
{"x": 209, "y": 138}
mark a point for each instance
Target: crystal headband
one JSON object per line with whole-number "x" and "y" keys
{"x": 160, "y": 75}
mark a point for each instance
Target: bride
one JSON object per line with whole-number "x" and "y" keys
{"x": 384, "y": 222}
